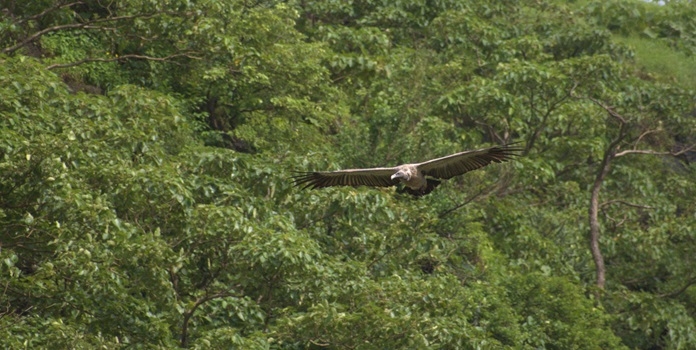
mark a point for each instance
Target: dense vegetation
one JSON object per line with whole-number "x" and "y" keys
{"x": 146, "y": 147}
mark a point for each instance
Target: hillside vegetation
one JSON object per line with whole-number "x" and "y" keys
{"x": 147, "y": 147}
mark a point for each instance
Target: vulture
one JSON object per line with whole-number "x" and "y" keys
{"x": 418, "y": 178}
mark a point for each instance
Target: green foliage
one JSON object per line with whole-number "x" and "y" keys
{"x": 672, "y": 23}
{"x": 156, "y": 211}
{"x": 558, "y": 317}
{"x": 661, "y": 62}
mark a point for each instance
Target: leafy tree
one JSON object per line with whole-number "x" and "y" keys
{"x": 146, "y": 149}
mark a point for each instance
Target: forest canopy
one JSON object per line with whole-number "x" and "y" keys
{"x": 147, "y": 147}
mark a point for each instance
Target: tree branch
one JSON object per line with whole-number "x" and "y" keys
{"x": 320, "y": 343}
{"x": 593, "y": 210}
{"x": 618, "y": 201}
{"x": 386, "y": 251}
{"x": 119, "y": 58}
{"x": 645, "y": 133}
{"x": 609, "y": 110}
{"x": 188, "y": 314}
{"x": 680, "y": 290}
{"x": 84, "y": 25}
{"x": 640, "y": 151}
{"x": 47, "y": 11}
{"x": 467, "y": 201}
{"x": 550, "y": 108}
{"x": 647, "y": 151}
{"x": 617, "y": 223}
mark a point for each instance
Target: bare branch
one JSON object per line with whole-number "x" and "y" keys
{"x": 609, "y": 155}
{"x": 200, "y": 301}
{"x": 48, "y": 10}
{"x": 609, "y": 110}
{"x": 618, "y": 201}
{"x": 386, "y": 251}
{"x": 467, "y": 201}
{"x": 641, "y": 151}
{"x": 680, "y": 290}
{"x": 645, "y": 133}
{"x": 85, "y": 25}
{"x": 684, "y": 150}
{"x": 120, "y": 58}
{"x": 320, "y": 343}
{"x": 617, "y": 223}
{"x": 551, "y": 106}
{"x": 648, "y": 151}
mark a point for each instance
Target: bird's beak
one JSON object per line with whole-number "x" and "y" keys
{"x": 397, "y": 176}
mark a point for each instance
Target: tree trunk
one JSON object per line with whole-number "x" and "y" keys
{"x": 594, "y": 219}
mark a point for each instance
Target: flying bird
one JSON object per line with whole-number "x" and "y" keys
{"x": 418, "y": 178}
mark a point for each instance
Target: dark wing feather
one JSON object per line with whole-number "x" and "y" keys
{"x": 460, "y": 163}
{"x": 378, "y": 177}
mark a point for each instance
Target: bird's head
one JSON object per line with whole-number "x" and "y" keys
{"x": 401, "y": 175}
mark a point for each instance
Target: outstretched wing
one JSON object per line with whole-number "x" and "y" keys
{"x": 462, "y": 162}
{"x": 379, "y": 177}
